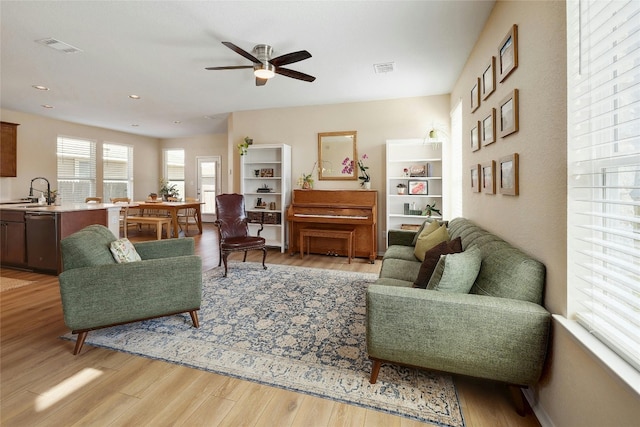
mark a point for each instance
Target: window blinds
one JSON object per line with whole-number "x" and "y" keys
{"x": 76, "y": 169}
{"x": 117, "y": 164}
{"x": 603, "y": 62}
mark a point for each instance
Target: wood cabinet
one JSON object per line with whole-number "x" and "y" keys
{"x": 8, "y": 149}
{"x": 266, "y": 186}
{"x": 12, "y": 238}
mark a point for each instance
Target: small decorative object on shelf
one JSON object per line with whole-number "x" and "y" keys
{"x": 402, "y": 188}
{"x": 256, "y": 172}
{"x": 429, "y": 209}
{"x": 265, "y": 189}
{"x": 242, "y": 147}
{"x": 405, "y": 172}
{"x": 364, "y": 175}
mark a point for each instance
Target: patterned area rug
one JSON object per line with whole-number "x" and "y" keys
{"x": 7, "y": 283}
{"x": 297, "y": 328}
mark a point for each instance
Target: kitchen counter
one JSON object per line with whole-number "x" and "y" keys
{"x": 65, "y": 207}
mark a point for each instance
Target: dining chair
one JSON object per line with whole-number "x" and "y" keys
{"x": 93, "y": 200}
{"x": 124, "y": 212}
{"x": 186, "y": 215}
{"x": 233, "y": 229}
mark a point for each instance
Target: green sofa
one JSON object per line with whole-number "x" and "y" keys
{"x": 97, "y": 292}
{"x": 498, "y": 331}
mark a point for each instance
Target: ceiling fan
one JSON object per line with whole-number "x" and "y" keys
{"x": 264, "y": 66}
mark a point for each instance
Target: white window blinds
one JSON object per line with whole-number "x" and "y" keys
{"x": 603, "y": 61}
{"x": 174, "y": 169}
{"x": 117, "y": 164}
{"x": 76, "y": 169}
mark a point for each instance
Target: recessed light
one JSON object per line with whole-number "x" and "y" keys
{"x": 134, "y": 96}
{"x": 177, "y": 122}
{"x": 135, "y": 125}
{"x": 46, "y": 106}
{"x": 40, "y": 87}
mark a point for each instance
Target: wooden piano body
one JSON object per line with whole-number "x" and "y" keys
{"x": 335, "y": 210}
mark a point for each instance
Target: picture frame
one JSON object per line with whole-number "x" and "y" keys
{"x": 266, "y": 173}
{"x": 475, "y": 137}
{"x": 508, "y": 114}
{"x": 488, "y": 171}
{"x": 475, "y": 178}
{"x": 418, "y": 170}
{"x": 488, "y": 128}
{"x": 475, "y": 95}
{"x": 418, "y": 187}
{"x": 508, "y": 53}
{"x": 508, "y": 175}
{"x": 489, "y": 79}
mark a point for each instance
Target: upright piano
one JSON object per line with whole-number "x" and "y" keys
{"x": 335, "y": 210}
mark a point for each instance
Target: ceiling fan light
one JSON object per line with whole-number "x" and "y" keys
{"x": 264, "y": 71}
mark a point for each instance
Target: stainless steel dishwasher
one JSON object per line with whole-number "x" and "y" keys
{"x": 42, "y": 240}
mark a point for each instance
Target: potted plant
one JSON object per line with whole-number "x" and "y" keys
{"x": 402, "y": 188}
{"x": 168, "y": 190}
{"x": 242, "y": 147}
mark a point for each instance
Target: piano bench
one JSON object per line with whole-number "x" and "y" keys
{"x": 347, "y": 235}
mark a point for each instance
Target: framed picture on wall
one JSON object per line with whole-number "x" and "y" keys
{"x": 475, "y": 137}
{"x": 508, "y": 53}
{"x": 488, "y": 128}
{"x": 489, "y": 78}
{"x": 475, "y": 178}
{"x": 508, "y": 114}
{"x": 475, "y": 95}
{"x": 508, "y": 175}
{"x": 489, "y": 177}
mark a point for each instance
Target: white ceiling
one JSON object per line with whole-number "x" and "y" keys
{"x": 159, "y": 49}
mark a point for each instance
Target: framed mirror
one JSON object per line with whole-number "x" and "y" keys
{"x": 333, "y": 148}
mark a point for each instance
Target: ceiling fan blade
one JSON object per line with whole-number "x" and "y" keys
{"x": 232, "y": 67}
{"x": 290, "y": 58}
{"x": 242, "y": 52}
{"x": 260, "y": 82}
{"x": 295, "y": 74}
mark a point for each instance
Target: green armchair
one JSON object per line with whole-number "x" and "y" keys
{"x": 97, "y": 292}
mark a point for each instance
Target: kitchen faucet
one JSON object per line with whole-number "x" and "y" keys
{"x": 48, "y": 189}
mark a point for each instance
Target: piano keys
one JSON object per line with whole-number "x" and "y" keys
{"x": 335, "y": 210}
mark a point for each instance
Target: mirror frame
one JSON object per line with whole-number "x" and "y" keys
{"x": 351, "y": 152}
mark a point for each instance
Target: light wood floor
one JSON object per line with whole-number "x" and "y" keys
{"x": 43, "y": 384}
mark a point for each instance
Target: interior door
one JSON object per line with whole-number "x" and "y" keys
{"x": 208, "y": 185}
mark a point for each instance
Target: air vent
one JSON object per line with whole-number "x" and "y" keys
{"x": 58, "y": 45}
{"x": 385, "y": 67}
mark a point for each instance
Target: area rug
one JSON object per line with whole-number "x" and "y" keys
{"x": 301, "y": 329}
{"x": 7, "y": 283}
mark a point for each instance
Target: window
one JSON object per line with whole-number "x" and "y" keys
{"x": 76, "y": 169}
{"x": 117, "y": 163}
{"x": 603, "y": 61}
{"x": 174, "y": 169}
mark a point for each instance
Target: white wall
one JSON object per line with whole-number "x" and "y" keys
{"x": 37, "y": 142}
{"x": 576, "y": 390}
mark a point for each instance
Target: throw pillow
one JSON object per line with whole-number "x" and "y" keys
{"x": 456, "y": 272}
{"x": 431, "y": 258}
{"x": 430, "y": 226}
{"x": 425, "y": 243}
{"x": 123, "y": 251}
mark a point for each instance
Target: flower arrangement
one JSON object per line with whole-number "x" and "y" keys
{"x": 306, "y": 180}
{"x": 349, "y": 166}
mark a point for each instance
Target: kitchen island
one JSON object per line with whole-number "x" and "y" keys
{"x": 30, "y": 234}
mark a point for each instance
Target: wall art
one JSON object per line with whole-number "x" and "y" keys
{"x": 508, "y": 114}
{"x": 508, "y": 53}
{"x": 475, "y": 95}
{"x": 488, "y": 128}
{"x": 508, "y": 175}
{"x": 489, "y": 177}
{"x": 489, "y": 78}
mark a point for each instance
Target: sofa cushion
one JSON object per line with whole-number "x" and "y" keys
{"x": 400, "y": 269}
{"x": 426, "y": 228}
{"x": 123, "y": 251}
{"x": 425, "y": 243}
{"x": 88, "y": 247}
{"x": 400, "y": 252}
{"x": 456, "y": 272}
{"x": 431, "y": 258}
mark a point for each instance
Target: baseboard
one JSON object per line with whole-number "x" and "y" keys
{"x": 539, "y": 412}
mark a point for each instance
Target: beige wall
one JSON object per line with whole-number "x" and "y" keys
{"x": 37, "y": 140}
{"x": 197, "y": 146}
{"x": 576, "y": 390}
{"x": 375, "y": 122}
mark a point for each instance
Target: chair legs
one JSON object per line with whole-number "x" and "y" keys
{"x": 264, "y": 257}
{"x": 225, "y": 255}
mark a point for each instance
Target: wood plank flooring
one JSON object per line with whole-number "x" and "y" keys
{"x": 43, "y": 384}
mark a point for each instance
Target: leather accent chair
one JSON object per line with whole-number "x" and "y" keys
{"x": 233, "y": 229}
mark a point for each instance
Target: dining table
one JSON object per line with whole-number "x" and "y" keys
{"x": 172, "y": 208}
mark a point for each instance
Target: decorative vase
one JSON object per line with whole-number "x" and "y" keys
{"x": 401, "y": 190}
{"x": 366, "y": 185}
{"x": 306, "y": 185}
